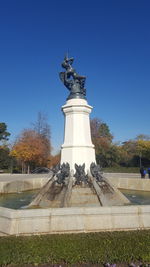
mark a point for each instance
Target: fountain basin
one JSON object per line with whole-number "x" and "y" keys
{"x": 81, "y": 197}
{"x": 74, "y": 219}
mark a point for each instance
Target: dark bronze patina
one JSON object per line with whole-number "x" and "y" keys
{"x": 80, "y": 175}
{"x": 63, "y": 173}
{"x": 72, "y": 80}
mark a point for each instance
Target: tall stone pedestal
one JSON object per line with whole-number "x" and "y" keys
{"x": 77, "y": 147}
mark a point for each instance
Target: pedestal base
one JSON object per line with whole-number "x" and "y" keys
{"x": 77, "y": 147}
{"x": 78, "y": 155}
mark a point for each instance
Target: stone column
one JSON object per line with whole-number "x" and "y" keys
{"x": 77, "y": 147}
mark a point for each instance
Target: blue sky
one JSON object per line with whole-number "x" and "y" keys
{"x": 110, "y": 41}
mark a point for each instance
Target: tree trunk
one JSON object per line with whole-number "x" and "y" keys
{"x": 28, "y": 169}
{"x": 22, "y": 165}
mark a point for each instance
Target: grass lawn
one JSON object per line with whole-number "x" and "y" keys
{"x": 74, "y": 249}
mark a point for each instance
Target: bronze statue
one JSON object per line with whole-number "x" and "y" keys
{"x": 96, "y": 172}
{"x": 72, "y": 80}
{"x": 80, "y": 175}
{"x": 63, "y": 174}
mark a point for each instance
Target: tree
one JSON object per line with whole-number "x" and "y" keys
{"x": 31, "y": 149}
{"x": 107, "y": 156}
{"x": 100, "y": 129}
{"x": 144, "y": 137}
{"x": 143, "y": 149}
{"x": 127, "y": 154}
{"x": 105, "y": 132}
{"x": 4, "y": 157}
{"x": 95, "y": 124}
{"x": 54, "y": 160}
{"x": 3, "y": 132}
{"x": 102, "y": 139}
{"x": 135, "y": 152}
{"x": 4, "y": 149}
{"x": 41, "y": 126}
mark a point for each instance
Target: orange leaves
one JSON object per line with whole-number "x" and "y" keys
{"x": 31, "y": 147}
{"x": 54, "y": 160}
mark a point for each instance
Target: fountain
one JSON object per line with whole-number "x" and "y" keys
{"x": 86, "y": 186}
{"x": 75, "y": 196}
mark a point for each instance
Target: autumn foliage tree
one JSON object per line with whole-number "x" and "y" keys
{"x": 135, "y": 152}
{"x": 31, "y": 149}
{"x": 143, "y": 151}
{"x": 143, "y": 147}
{"x": 42, "y": 127}
{"x": 54, "y": 160}
{"x": 106, "y": 152}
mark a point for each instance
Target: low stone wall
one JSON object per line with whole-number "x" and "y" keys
{"x": 73, "y": 220}
{"x": 130, "y": 183}
{"x": 22, "y": 182}
{"x": 13, "y": 183}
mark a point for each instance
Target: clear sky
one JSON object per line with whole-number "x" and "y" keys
{"x": 110, "y": 41}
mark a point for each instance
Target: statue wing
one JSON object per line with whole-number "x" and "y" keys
{"x": 62, "y": 77}
{"x": 68, "y": 83}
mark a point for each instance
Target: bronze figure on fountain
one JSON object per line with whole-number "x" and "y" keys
{"x": 72, "y": 80}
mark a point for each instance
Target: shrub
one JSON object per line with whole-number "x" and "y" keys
{"x": 91, "y": 248}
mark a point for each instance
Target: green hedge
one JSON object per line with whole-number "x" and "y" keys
{"x": 120, "y": 169}
{"x": 92, "y": 248}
